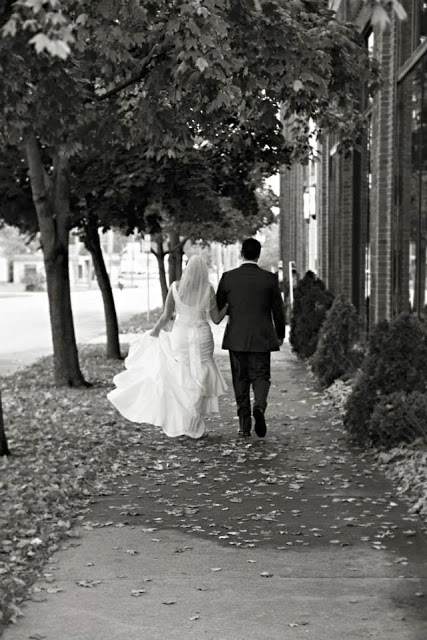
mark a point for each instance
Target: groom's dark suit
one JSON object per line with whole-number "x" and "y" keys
{"x": 256, "y": 326}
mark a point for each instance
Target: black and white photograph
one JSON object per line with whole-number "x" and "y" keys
{"x": 213, "y": 319}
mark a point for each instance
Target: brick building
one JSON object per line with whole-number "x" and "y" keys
{"x": 370, "y": 208}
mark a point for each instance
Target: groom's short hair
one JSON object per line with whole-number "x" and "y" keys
{"x": 251, "y": 249}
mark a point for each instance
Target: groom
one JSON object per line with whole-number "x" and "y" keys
{"x": 256, "y": 326}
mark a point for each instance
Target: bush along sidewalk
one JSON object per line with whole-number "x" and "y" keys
{"x": 311, "y": 302}
{"x": 396, "y": 362}
{"x": 385, "y": 406}
{"x": 399, "y": 418}
{"x": 338, "y": 353}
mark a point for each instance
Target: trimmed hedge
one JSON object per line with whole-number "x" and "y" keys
{"x": 336, "y": 353}
{"x": 311, "y": 302}
{"x": 396, "y": 361}
{"x": 399, "y": 417}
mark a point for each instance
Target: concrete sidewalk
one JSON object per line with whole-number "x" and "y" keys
{"x": 294, "y": 536}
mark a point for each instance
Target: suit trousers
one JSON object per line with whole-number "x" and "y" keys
{"x": 250, "y": 368}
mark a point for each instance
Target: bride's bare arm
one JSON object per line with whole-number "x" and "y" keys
{"x": 216, "y": 314}
{"x": 166, "y": 315}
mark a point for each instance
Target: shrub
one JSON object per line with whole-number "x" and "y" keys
{"x": 311, "y": 302}
{"x": 34, "y": 281}
{"x": 396, "y": 361}
{"x": 399, "y": 417}
{"x": 336, "y": 353}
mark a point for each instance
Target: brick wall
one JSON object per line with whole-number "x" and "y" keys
{"x": 323, "y": 212}
{"x": 293, "y": 228}
{"x": 382, "y": 190}
{"x": 352, "y": 216}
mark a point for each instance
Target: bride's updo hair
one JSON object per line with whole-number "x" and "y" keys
{"x": 194, "y": 284}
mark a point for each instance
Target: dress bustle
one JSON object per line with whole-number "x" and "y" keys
{"x": 171, "y": 381}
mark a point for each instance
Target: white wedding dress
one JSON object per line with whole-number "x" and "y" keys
{"x": 173, "y": 381}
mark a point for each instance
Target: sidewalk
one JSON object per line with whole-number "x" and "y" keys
{"x": 294, "y": 536}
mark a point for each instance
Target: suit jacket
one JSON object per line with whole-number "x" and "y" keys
{"x": 256, "y": 314}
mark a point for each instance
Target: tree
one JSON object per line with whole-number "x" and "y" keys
{"x": 90, "y": 236}
{"x": 169, "y": 76}
{"x": 4, "y": 449}
{"x": 203, "y": 194}
{"x": 16, "y": 242}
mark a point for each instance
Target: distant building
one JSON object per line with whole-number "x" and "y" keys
{"x": 127, "y": 267}
{"x": 5, "y": 270}
{"x": 28, "y": 270}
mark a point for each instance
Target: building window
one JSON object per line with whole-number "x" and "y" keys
{"x": 419, "y": 22}
{"x": 411, "y": 202}
{"x": 29, "y": 270}
{"x": 413, "y": 31}
{"x": 369, "y": 43}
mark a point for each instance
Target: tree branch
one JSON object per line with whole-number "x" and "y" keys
{"x": 157, "y": 52}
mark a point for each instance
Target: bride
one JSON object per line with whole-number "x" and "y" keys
{"x": 171, "y": 379}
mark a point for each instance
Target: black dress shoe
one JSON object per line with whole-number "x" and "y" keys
{"x": 260, "y": 426}
{"x": 244, "y": 434}
{"x": 245, "y": 423}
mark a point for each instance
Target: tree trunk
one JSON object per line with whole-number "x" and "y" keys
{"x": 160, "y": 256}
{"x": 179, "y": 256}
{"x": 171, "y": 268}
{"x": 93, "y": 245}
{"x": 52, "y": 204}
{"x": 175, "y": 256}
{"x": 4, "y": 449}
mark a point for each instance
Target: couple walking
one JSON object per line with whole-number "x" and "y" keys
{"x": 171, "y": 378}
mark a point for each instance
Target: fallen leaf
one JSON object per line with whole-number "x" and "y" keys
{"x": 88, "y": 583}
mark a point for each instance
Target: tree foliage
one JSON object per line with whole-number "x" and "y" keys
{"x": 168, "y": 76}
{"x": 181, "y": 69}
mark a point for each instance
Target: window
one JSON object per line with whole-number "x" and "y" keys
{"x": 419, "y": 22}
{"x": 413, "y": 31}
{"x": 369, "y": 42}
{"x": 29, "y": 270}
{"x": 412, "y": 190}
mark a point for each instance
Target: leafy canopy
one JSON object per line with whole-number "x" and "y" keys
{"x": 172, "y": 72}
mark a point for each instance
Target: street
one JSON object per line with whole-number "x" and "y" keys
{"x": 25, "y": 328}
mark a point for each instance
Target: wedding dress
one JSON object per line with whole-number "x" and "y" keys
{"x": 173, "y": 381}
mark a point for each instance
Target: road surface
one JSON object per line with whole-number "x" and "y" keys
{"x": 25, "y": 328}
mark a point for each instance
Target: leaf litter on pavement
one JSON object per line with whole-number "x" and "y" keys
{"x": 299, "y": 487}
